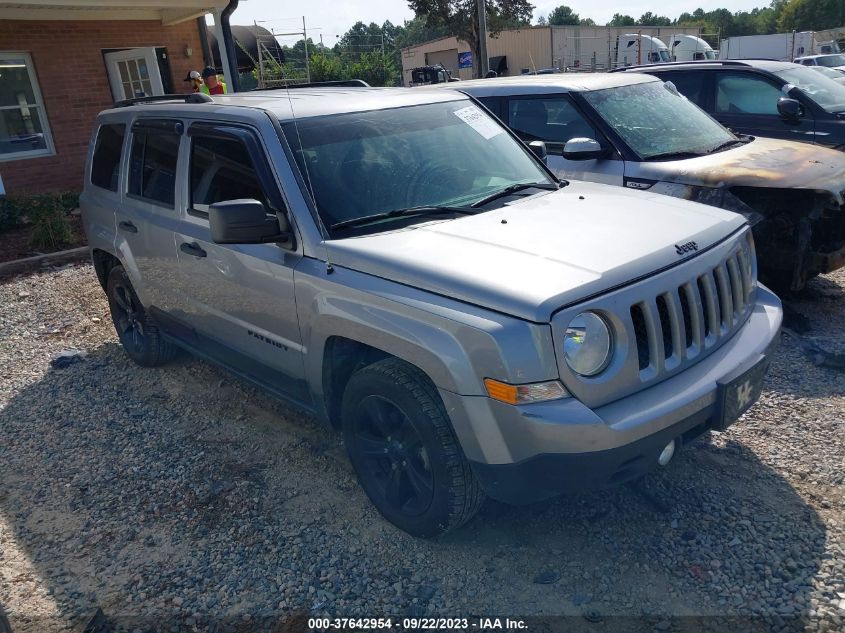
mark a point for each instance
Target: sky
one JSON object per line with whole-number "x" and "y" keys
{"x": 331, "y": 18}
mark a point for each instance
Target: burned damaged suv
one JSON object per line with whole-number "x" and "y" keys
{"x": 399, "y": 264}
{"x": 634, "y": 131}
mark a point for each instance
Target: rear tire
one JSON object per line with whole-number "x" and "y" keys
{"x": 404, "y": 451}
{"x": 137, "y": 330}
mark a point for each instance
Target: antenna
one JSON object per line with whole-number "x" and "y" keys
{"x": 323, "y": 232}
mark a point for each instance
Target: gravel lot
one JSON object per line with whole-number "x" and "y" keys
{"x": 184, "y": 496}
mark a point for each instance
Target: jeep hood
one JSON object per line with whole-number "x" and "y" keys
{"x": 533, "y": 256}
{"x": 763, "y": 162}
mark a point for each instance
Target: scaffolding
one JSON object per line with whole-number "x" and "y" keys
{"x": 273, "y": 72}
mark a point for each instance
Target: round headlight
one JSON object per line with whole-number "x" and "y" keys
{"x": 587, "y": 344}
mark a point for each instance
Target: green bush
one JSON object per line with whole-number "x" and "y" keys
{"x": 12, "y": 213}
{"x": 50, "y": 225}
{"x": 69, "y": 200}
{"x": 46, "y": 213}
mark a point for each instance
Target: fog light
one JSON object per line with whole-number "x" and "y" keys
{"x": 667, "y": 454}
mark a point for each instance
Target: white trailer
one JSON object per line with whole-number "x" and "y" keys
{"x": 600, "y": 48}
{"x": 688, "y": 48}
{"x": 636, "y": 48}
{"x": 779, "y": 46}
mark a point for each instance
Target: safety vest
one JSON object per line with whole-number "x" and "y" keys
{"x": 205, "y": 89}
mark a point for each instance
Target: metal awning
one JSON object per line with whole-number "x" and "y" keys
{"x": 168, "y": 12}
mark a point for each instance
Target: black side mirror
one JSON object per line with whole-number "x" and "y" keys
{"x": 245, "y": 221}
{"x": 582, "y": 149}
{"x": 539, "y": 150}
{"x": 790, "y": 109}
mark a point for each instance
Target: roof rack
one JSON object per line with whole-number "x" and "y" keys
{"x": 194, "y": 97}
{"x": 337, "y": 83}
{"x": 698, "y": 62}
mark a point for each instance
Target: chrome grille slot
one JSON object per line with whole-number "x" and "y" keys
{"x": 711, "y": 309}
{"x": 745, "y": 269}
{"x": 641, "y": 335}
{"x": 686, "y": 312}
{"x": 735, "y": 279}
{"x": 726, "y": 304}
{"x": 665, "y": 327}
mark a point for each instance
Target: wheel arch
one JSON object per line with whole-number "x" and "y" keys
{"x": 103, "y": 264}
{"x": 341, "y": 358}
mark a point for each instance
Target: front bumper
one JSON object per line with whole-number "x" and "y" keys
{"x": 526, "y": 453}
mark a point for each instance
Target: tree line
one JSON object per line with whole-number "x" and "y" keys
{"x": 779, "y": 16}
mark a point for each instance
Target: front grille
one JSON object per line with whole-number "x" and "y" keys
{"x": 679, "y": 323}
{"x": 666, "y": 322}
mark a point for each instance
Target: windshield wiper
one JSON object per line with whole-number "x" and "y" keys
{"x": 401, "y": 213}
{"x": 677, "y": 155}
{"x": 730, "y": 143}
{"x": 514, "y": 188}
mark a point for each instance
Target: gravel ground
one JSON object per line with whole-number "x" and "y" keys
{"x": 183, "y": 495}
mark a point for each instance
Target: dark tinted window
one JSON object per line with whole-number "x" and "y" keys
{"x": 551, "y": 119}
{"x": 691, "y": 85}
{"x": 152, "y": 166}
{"x": 221, "y": 169}
{"x": 744, "y": 93}
{"x": 105, "y": 166}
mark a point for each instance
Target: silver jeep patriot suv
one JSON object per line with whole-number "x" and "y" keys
{"x": 399, "y": 264}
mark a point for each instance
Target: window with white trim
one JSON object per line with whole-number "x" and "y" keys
{"x": 23, "y": 122}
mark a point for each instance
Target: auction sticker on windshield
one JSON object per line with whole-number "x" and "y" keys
{"x": 478, "y": 121}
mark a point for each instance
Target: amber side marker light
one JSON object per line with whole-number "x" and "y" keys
{"x": 525, "y": 394}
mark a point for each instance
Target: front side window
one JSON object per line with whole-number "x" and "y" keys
{"x": 826, "y": 92}
{"x": 437, "y": 154}
{"x": 654, "y": 121}
{"x": 741, "y": 93}
{"x": 105, "y": 165}
{"x": 550, "y": 119}
{"x": 23, "y": 121}
{"x": 152, "y": 166}
{"x": 221, "y": 169}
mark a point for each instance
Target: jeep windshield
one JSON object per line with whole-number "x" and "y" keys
{"x": 657, "y": 123}
{"x": 383, "y": 169}
{"x": 826, "y": 92}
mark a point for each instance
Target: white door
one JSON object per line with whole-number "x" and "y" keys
{"x": 134, "y": 73}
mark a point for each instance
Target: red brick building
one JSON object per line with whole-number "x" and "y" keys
{"x": 61, "y": 63}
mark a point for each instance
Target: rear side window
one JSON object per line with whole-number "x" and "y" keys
{"x": 746, "y": 94}
{"x": 691, "y": 85}
{"x": 221, "y": 169}
{"x": 105, "y": 166}
{"x": 152, "y": 166}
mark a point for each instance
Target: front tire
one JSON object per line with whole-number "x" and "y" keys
{"x": 404, "y": 451}
{"x": 136, "y": 329}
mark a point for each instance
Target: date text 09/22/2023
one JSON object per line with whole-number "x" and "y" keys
{"x": 422, "y": 623}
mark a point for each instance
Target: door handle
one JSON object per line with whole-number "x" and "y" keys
{"x": 192, "y": 249}
{"x": 128, "y": 227}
